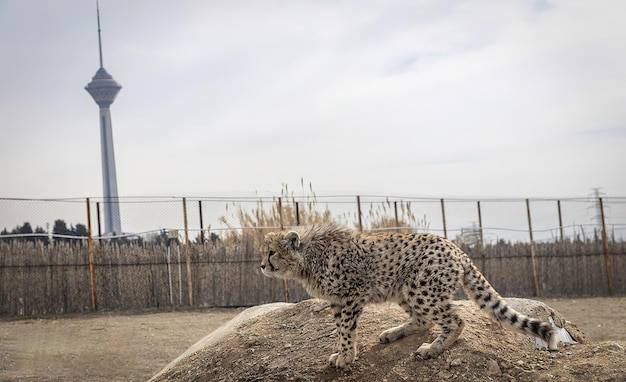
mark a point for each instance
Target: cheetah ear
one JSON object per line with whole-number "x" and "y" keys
{"x": 293, "y": 239}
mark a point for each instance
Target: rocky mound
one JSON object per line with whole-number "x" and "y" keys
{"x": 292, "y": 342}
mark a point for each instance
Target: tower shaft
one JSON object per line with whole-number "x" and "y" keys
{"x": 112, "y": 220}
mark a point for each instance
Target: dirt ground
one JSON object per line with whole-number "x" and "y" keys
{"x": 133, "y": 347}
{"x": 101, "y": 347}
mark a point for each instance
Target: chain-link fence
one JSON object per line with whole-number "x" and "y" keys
{"x": 173, "y": 251}
{"x": 487, "y": 220}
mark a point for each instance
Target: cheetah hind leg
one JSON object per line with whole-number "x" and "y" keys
{"x": 451, "y": 329}
{"x": 395, "y": 333}
{"x": 416, "y": 325}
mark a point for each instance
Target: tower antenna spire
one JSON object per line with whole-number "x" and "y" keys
{"x": 99, "y": 38}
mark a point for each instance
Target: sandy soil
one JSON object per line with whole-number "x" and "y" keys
{"x": 133, "y": 347}
{"x": 101, "y": 347}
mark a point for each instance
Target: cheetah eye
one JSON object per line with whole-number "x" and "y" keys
{"x": 270, "y": 254}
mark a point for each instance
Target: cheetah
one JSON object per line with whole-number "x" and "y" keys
{"x": 419, "y": 271}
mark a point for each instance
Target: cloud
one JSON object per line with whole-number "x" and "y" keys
{"x": 272, "y": 91}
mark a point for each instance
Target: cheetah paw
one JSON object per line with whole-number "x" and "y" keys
{"x": 391, "y": 335}
{"x": 340, "y": 360}
{"x": 427, "y": 351}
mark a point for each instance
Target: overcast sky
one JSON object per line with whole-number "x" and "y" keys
{"x": 418, "y": 98}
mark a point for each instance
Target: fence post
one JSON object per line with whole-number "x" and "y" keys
{"x": 558, "y": 206}
{"x": 99, "y": 225}
{"x": 282, "y": 227}
{"x": 605, "y": 245}
{"x": 171, "y": 235}
{"x": 481, "y": 244}
{"x": 297, "y": 213}
{"x": 395, "y": 212}
{"x": 92, "y": 271}
{"x": 480, "y": 227}
{"x": 280, "y": 213}
{"x": 358, "y": 207}
{"x": 201, "y": 225}
{"x": 532, "y": 249}
{"x": 188, "y": 253}
{"x": 443, "y": 217}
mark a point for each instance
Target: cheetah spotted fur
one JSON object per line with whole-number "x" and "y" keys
{"x": 421, "y": 272}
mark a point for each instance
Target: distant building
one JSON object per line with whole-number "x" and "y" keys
{"x": 103, "y": 88}
{"x": 469, "y": 236}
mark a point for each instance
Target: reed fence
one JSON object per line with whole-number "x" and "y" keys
{"x": 205, "y": 250}
{"x": 39, "y": 279}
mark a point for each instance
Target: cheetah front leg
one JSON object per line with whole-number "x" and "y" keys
{"x": 346, "y": 317}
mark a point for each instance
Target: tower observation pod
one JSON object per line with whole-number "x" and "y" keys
{"x": 103, "y": 89}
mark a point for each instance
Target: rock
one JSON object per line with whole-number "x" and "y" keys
{"x": 595, "y": 349}
{"x": 616, "y": 347}
{"x": 577, "y": 334}
{"x": 567, "y": 331}
{"x": 456, "y": 362}
{"x": 493, "y": 368}
{"x": 444, "y": 375}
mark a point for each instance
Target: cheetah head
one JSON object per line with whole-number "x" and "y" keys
{"x": 280, "y": 255}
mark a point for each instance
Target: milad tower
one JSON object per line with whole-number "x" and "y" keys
{"x": 103, "y": 88}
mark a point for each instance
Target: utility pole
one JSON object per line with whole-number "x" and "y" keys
{"x": 597, "y": 219}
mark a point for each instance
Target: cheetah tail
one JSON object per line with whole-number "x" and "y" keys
{"x": 482, "y": 293}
